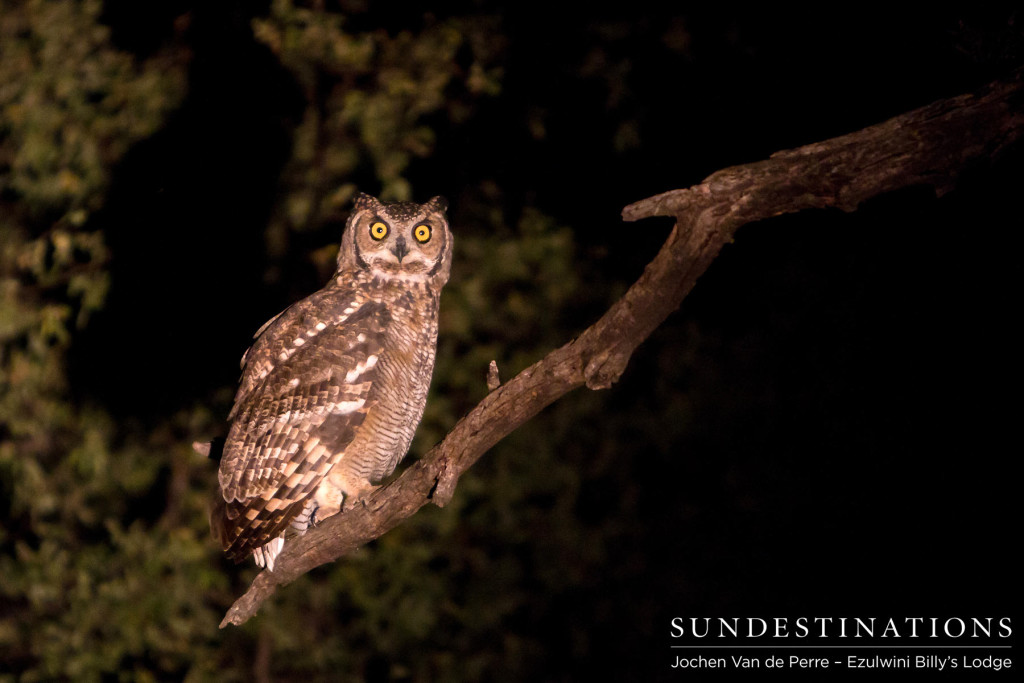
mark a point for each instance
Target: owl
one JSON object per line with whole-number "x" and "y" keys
{"x": 333, "y": 387}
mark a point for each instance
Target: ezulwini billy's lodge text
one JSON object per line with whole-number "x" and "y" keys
{"x": 933, "y": 662}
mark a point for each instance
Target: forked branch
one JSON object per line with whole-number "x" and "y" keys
{"x": 927, "y": 146}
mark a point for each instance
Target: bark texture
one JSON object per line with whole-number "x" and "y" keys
{"x": 928, "y": 146}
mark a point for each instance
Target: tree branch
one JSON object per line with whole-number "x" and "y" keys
{"x": 928, "y": 146}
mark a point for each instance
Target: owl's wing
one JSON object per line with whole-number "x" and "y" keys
{"x": 305, "y": 391}
{"x": 273, "y": 344}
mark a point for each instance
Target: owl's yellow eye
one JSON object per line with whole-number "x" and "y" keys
{"x": 422, "y": 233}
{"x": 378, "y": 231}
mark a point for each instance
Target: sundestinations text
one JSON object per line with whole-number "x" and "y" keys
{"x": 842, "y": 627}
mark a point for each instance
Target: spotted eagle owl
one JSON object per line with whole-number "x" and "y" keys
{"x": 333, "y": 387}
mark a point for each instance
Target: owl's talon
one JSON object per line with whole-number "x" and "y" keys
{"x": 357, "y": 494}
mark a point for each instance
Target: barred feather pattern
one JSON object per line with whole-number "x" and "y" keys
{"x": 332, "y": 391}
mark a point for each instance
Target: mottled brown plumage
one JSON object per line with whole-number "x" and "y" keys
{"x": 334, "y": 386}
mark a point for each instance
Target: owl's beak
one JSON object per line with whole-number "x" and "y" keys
{"x": 400, "y": 250}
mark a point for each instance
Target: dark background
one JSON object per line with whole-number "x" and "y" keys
{"x": 824, "y": 428}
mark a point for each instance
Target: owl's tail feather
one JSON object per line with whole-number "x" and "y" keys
{"x": 250, "y": 528}
{"x": 266, "y": 554}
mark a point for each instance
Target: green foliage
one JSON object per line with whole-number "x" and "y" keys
{"x": 369, "y": 97}
{"x": 70, "y": 479}
{"x": 71, "y": 105}
{"x": 106, "y": 568}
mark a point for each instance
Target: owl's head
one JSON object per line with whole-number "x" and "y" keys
{"x": 398, "y": 240}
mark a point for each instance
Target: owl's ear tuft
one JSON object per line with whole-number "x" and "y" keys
{"x": 364, "y": 201}
{"x": 438, "y": 203}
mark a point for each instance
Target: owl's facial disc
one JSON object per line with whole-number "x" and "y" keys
{"x": 400, "y": 240}
{"x": 391, "y": 251}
